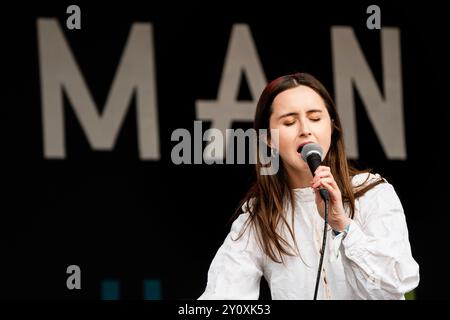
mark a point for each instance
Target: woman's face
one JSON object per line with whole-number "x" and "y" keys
{"x": 300, "y": 116}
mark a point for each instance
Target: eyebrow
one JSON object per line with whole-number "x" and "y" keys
{"x": 296, "y": 113}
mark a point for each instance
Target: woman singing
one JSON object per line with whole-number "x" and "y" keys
{"x": 279, "y": 233}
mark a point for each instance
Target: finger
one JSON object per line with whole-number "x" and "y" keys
{"x": 329, "y": 180}
{"x": 335, "y": 193}
{"x": 319, "y": 201}
{"x": 327, "y": 185}
{"x": 321, "y": 175}
{"x": 318, "y": 196}
{"x": 322, "y": 169}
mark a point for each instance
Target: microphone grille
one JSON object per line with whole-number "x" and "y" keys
{"x": 310, "y": 148}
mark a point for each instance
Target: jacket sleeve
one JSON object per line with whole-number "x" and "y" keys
{"x": 377, "y": 255}
{"x": 236, "y": 269}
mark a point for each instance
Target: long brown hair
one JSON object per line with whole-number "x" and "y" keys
{"x": 265, "y": 198}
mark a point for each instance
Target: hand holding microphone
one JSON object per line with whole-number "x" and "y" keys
{"x": 328, "y": 198}
{"x": 325, "y": 187}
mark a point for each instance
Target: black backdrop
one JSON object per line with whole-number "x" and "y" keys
{"x": 122, "y": 218}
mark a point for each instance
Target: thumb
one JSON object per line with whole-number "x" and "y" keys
{"x": 319, "y": 201}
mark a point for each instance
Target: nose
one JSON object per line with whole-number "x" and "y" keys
{"x": 304, "y": 129}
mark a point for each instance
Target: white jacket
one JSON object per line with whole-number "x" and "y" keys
{"x": 373, "y": 261}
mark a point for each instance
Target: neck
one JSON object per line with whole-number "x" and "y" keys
{"x": 299, "y": 178}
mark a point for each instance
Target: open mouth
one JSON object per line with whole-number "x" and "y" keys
{"x": 300, "y": 148}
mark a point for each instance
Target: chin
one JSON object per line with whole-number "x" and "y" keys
{"x": 299, "y": 165}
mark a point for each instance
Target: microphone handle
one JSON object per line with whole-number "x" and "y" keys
{"x": 324, "y": 194}
{"x": 314, "y": 160}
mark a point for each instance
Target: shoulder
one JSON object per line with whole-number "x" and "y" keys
{"x": 248, "y": 205}
{"x": 240, "y": 222}
{"x": 382, "y": 195}
{"x": 243, "y": 224}
{"x": 362, "y": 180}
{"x": 380, "y": 185}
{"x": 242, "y": 236}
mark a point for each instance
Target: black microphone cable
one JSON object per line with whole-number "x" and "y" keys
{"x": 312, "y": 155}
{"x": 324, "y": 240}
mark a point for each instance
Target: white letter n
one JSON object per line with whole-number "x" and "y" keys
{"x": 385, "y": 113}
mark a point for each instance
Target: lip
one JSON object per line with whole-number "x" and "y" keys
{"x": 300, "y": 147}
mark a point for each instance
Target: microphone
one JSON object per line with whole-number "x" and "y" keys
{"x": 312, "y": 155}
